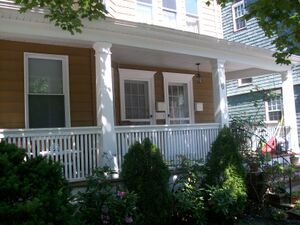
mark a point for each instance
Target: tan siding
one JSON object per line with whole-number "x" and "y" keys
{"x": 202, "y": 92}
{"x": 82, "y": 104}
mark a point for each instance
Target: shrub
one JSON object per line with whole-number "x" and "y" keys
{"x": 32, "y": 191}
{"x": 188, "y": 200}
{"x": 103, "y": 203}
{"x": 145, "y": 173}
{"x": 225, "y": 175}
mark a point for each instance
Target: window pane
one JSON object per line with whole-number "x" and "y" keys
{"x": 191, "y": 7}
{"x": 144, "y": 13}
{"x": 170, "y": 4}
{"x": 145, "y": 1}
{"x": 46, "y": 111}
{"x": 136, "y": 99}
{"x": 45, "y": 76}
{"x": 169, "y": 18}
{"x": 178, "y": 101}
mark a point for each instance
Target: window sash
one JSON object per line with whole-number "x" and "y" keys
{"x": 48, "y": 96}
{"x": 136, "y": 99}
{"x": 274, "y": 109}
{"x": 238, "y": 11}
{"x": 137, "y": 76}
{"x": 144, "y": 11}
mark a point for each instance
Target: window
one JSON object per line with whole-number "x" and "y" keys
{"x": 169, "y": 12}
{"x": 245, "y": 81}
{"x": 137, "y": 96}
{"x": 179, "y": 98}
{"x": 192, "y": 22}
{"x": 46, "y": 91}
{"x": 238, "y": 12}
{"x": 144, "y": 11}
{"x": 274, "y": 109}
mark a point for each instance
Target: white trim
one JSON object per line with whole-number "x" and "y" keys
{"x": 139, "y": 75}
{"x": 65, "y": 73}
{"x": 234, "y": 6}
{"x": 181, "y": 79}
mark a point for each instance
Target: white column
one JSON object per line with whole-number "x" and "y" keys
{"x": 219, "y": 92}
{"x": 289, "y": 109}
{"x": 104, "y": 103}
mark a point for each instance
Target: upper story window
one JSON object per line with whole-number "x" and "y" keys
{"x": 192, "y": 22}
{"x": 244, "y": 81}
{"x": 170, "y": 12}
{"x": 238, "y": 12}
{"x": 144, "y": 10}
{"x": 274, "y": 109}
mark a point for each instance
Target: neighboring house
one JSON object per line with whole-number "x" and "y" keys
{"x": 84, "y": 98}
{"x": 243, "y": 92}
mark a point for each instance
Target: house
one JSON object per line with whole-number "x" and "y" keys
{"x": 244, "y": 91}
{"x": 84, "y": 98}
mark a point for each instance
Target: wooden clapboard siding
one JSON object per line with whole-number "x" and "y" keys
{"x": 202, "y": 91}
{"x": 81, "y": 82}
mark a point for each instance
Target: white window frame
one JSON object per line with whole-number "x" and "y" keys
{"x": 171, "y": 78}
{"x": 165, "y": 9}
{"x": 65, "y": 80}
{"x": 242, "y": 84}
{"x": 148, "y": 5}
{"x": 267, "y": 112}
{"x": 194, "y": 16}
{"x": 234, "y": 18}
{"x": 138, "y": 75}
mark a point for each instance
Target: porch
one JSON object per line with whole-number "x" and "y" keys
{"x": 79, "y": 149}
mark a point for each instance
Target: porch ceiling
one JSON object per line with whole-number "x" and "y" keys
{"x": 154, "y": 58}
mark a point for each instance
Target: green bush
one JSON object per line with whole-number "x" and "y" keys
{"x": 32, "y": 191}
{"x": 188, "y": 200}
{"x": 145, "y": 173}
{"x": 103, "y": 203}
{"x": 225, "y": 175}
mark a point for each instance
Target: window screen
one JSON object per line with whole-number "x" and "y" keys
{"x": 136, "y": 99}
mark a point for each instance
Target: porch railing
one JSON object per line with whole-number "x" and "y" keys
{"x": 193, "y": 141}
{"x": 77, "y": 148}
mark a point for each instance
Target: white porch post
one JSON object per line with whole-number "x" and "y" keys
{"x": 289, "y": 109}
{"x": 104, "y": 103}
{"x": 219, "y": 89}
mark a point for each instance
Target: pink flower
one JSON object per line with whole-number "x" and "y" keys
{"x": 121, "y": 194}
{"x": 128, "y": 219}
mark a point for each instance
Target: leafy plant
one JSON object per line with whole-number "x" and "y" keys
{"x": 145, "y": 173}
{"x": 103, "y": 203}
{"x": 188, "y": 194}
{"x": 225, "y": 176}
{"x": 32, "y": 191}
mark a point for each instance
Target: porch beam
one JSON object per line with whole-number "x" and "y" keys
{"x": 289, "y": 109}
{"x": 104, "y": 103}
{"x": 219, "y": 92}
{"x": 251, "y": 72}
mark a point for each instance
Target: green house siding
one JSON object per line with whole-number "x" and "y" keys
{"x": 239, "y": 97}
{"x": 242, "y": 106}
